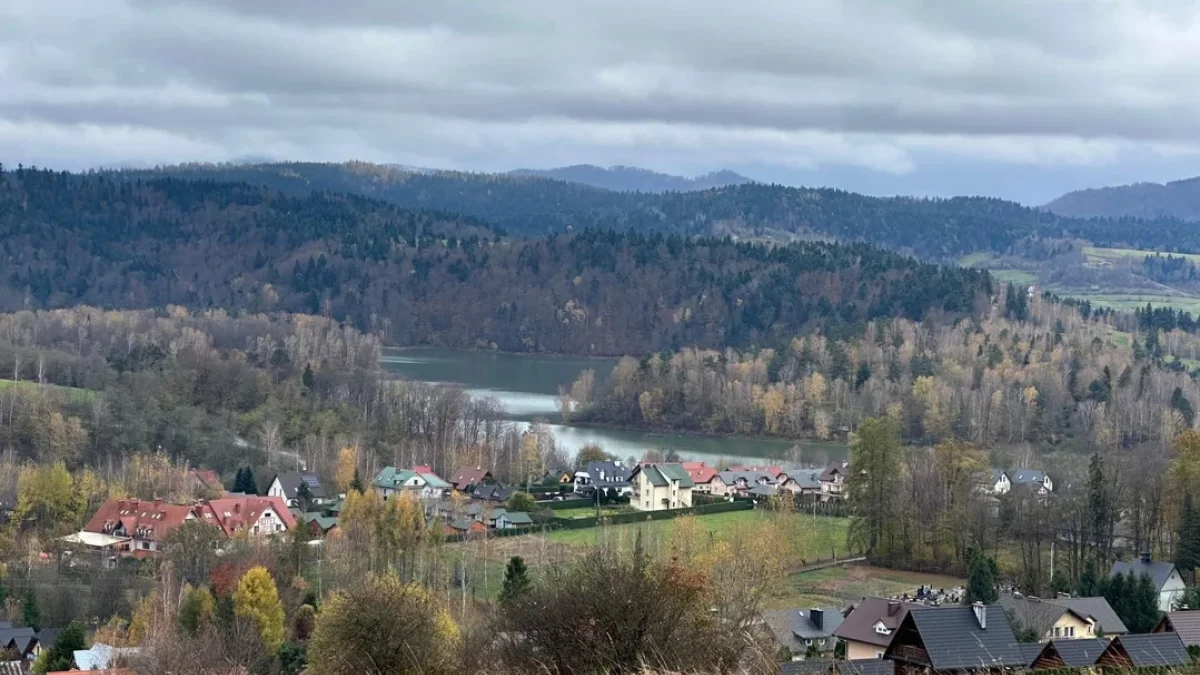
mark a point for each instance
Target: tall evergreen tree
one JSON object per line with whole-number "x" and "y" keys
{"x": 981, "y": 580}
{"x": 245, "y": 482}
{"x": 516, "y": 580}
{"x": 59, "y": 656}
{"x": 1187, "y": 557}
{"x": 356, "y": 483}
{"x": 31, "y": 612}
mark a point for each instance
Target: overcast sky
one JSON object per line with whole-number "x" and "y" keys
{"x": 1023, "y": 99}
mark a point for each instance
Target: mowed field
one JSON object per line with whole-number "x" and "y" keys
{"x": 835, "y": 586}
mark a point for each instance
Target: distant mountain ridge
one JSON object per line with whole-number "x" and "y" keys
{"x": 633, "y": 179}
{"x": 1178, "y": 199}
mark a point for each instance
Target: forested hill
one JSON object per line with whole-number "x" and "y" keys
{"x": 933, "y": 229}
{"x": 424, "y": 277}
{"x": 1178, "y": 199}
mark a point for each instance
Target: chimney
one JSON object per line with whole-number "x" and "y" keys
{"x": 121, "y": 504}
{"x": 1146, "y": 559}
{"x": 817, "y": 617}
{"x": 157, "y": 503}
{"x": 237, "y": 507}
{"x": 893, "y": 607}
{"x": 133, "y": 504}
{"x": 980, "y": 614}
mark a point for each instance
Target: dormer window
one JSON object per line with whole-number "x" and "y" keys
{"x": 882, "y": 629}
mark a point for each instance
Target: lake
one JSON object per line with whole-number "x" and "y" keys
{"x": 528, "y": 384}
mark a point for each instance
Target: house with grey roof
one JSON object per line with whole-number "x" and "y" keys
{"x": 287, "y": 487}
{"x": 1167, "y": 580}
{"x": 1108, "y": 623}
{"x": 803, "y": 482}
{"x": 658, "y": 487}
{"x": 956, "y": 639}
{"x": 1059, "y": 654}
{"x": 1067, "y": 618}
{"x": 741, "y": 482}
{"x": 1004, "y": 480}
{"x": 1144, "y": 650}
{"x": 798, "y": 630}
{"x": 509, "y": 519}
{"x": 604, "y": 475}
{"x": 1186, "y": 623}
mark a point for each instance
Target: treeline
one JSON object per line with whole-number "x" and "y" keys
{"x": 1053, "y": 379}
{"x": 934, "y": 229}
{"x": 430, "y": 278}
{"x": 97, "y": 390}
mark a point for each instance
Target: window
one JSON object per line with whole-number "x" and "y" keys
{"x": 1070, "y": 631}
{"x": 145, "y": 545}
{"x": 1057, "y": 631}
{"x": 879, "y": 655}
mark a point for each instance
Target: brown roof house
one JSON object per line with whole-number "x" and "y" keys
{"x": 868, "y": 629}
{"x": 466, "y": 478}
{"x": 955, "y": 640}
{"x": 1186, "y": 623}
{"x": 799, "y": 630}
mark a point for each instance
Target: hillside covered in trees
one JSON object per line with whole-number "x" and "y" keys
{"x": 1177, "y": 199}
{"x": 933, "y": 229}
{"x": 425, "y": 277}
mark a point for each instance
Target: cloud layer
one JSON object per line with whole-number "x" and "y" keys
{"x": 891, "y": 87}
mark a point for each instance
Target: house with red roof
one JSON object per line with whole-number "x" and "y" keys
{"x": 139, "y": 527}
{"x": 144, "y": 522}
{"x": 702, "y": 475}
{"x": 466, "y": 478}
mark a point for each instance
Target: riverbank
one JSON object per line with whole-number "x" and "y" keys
{"x": 838, "y": 446}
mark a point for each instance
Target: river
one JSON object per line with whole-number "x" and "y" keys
{"x": 527, "y": 384}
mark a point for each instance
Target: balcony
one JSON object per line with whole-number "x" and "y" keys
{"x": 911, "y": 654}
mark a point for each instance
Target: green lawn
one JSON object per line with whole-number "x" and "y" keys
{"x": 1018, "y": 277}
{"x": 823, "y": 535}
{"x": 1131, "y": 301}
{"x": 834, "y": 586}
{"x": 73, "y": 394}
{"x": 584, "y": 512}
{"x": 1096, "y": 254}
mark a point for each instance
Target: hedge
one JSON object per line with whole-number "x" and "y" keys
{"x": 566, "y": 504}
{"x": 666, "y": 514}
{"x": 510, "y": 532}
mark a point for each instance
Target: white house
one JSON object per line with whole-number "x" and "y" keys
{"x": 1164, "y": 575}
{"x": 658, "y": 487}
{"x": 1004, "y": 480}
{"x": 424, "y": 484}
{"x": 286, "y": 486}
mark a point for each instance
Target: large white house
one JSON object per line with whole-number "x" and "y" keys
{"x": 1166, "y": 578}
{"x": 1004, "y": 480}
{"x": 657, "y": 487}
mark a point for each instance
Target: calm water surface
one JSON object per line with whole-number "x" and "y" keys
{"x": 528, "y": 385}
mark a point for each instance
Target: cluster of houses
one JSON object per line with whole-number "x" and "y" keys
{"x": 883, "y": 636}
{"x": 880, "y": 636}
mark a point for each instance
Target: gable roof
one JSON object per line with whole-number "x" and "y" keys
{"x": 700, "y": 474}
{"x": 1034, "y": 613}
{"x": 1186, "y": 623}
{"x": 462, "y": 524}
{"x": 496, "y": 493}
{"x": 143, "y": 518}
{"x": 1159, "y": 570}
{"x": 1149, "y": 649}
{"x": 518, "y": 517}
{"x": 807, "y": 479}
{"x": 792, "y": 626}
{"x": 1079, "y": 653}
{"x": 762, "y": 491}
{"x": 1022, "y": 476}
{"x": 834, "y": 467}
{"x": 234, "y": 513}
{"x": 467, "y": 476}
{"x": 607, "y": 471}
{"x": 954, "y": 640}
{"x": 1107, "y": 621}
{"x": 393, "y": 479}
{"x": 291, "y": 480}
{"x": 859, "y": 624}
{"x": 662, "y": 475}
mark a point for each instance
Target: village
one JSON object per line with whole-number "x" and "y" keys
{"x": 926, "y": 630}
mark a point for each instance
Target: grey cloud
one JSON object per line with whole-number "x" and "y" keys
{"x": 883, "y": 84}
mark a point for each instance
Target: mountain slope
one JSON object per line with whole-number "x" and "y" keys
{"x": 933, "y": 229}
{"x": 633, "y": 179}
{"x": 1179, "y": 199}
{"x": 427, "y": 277}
